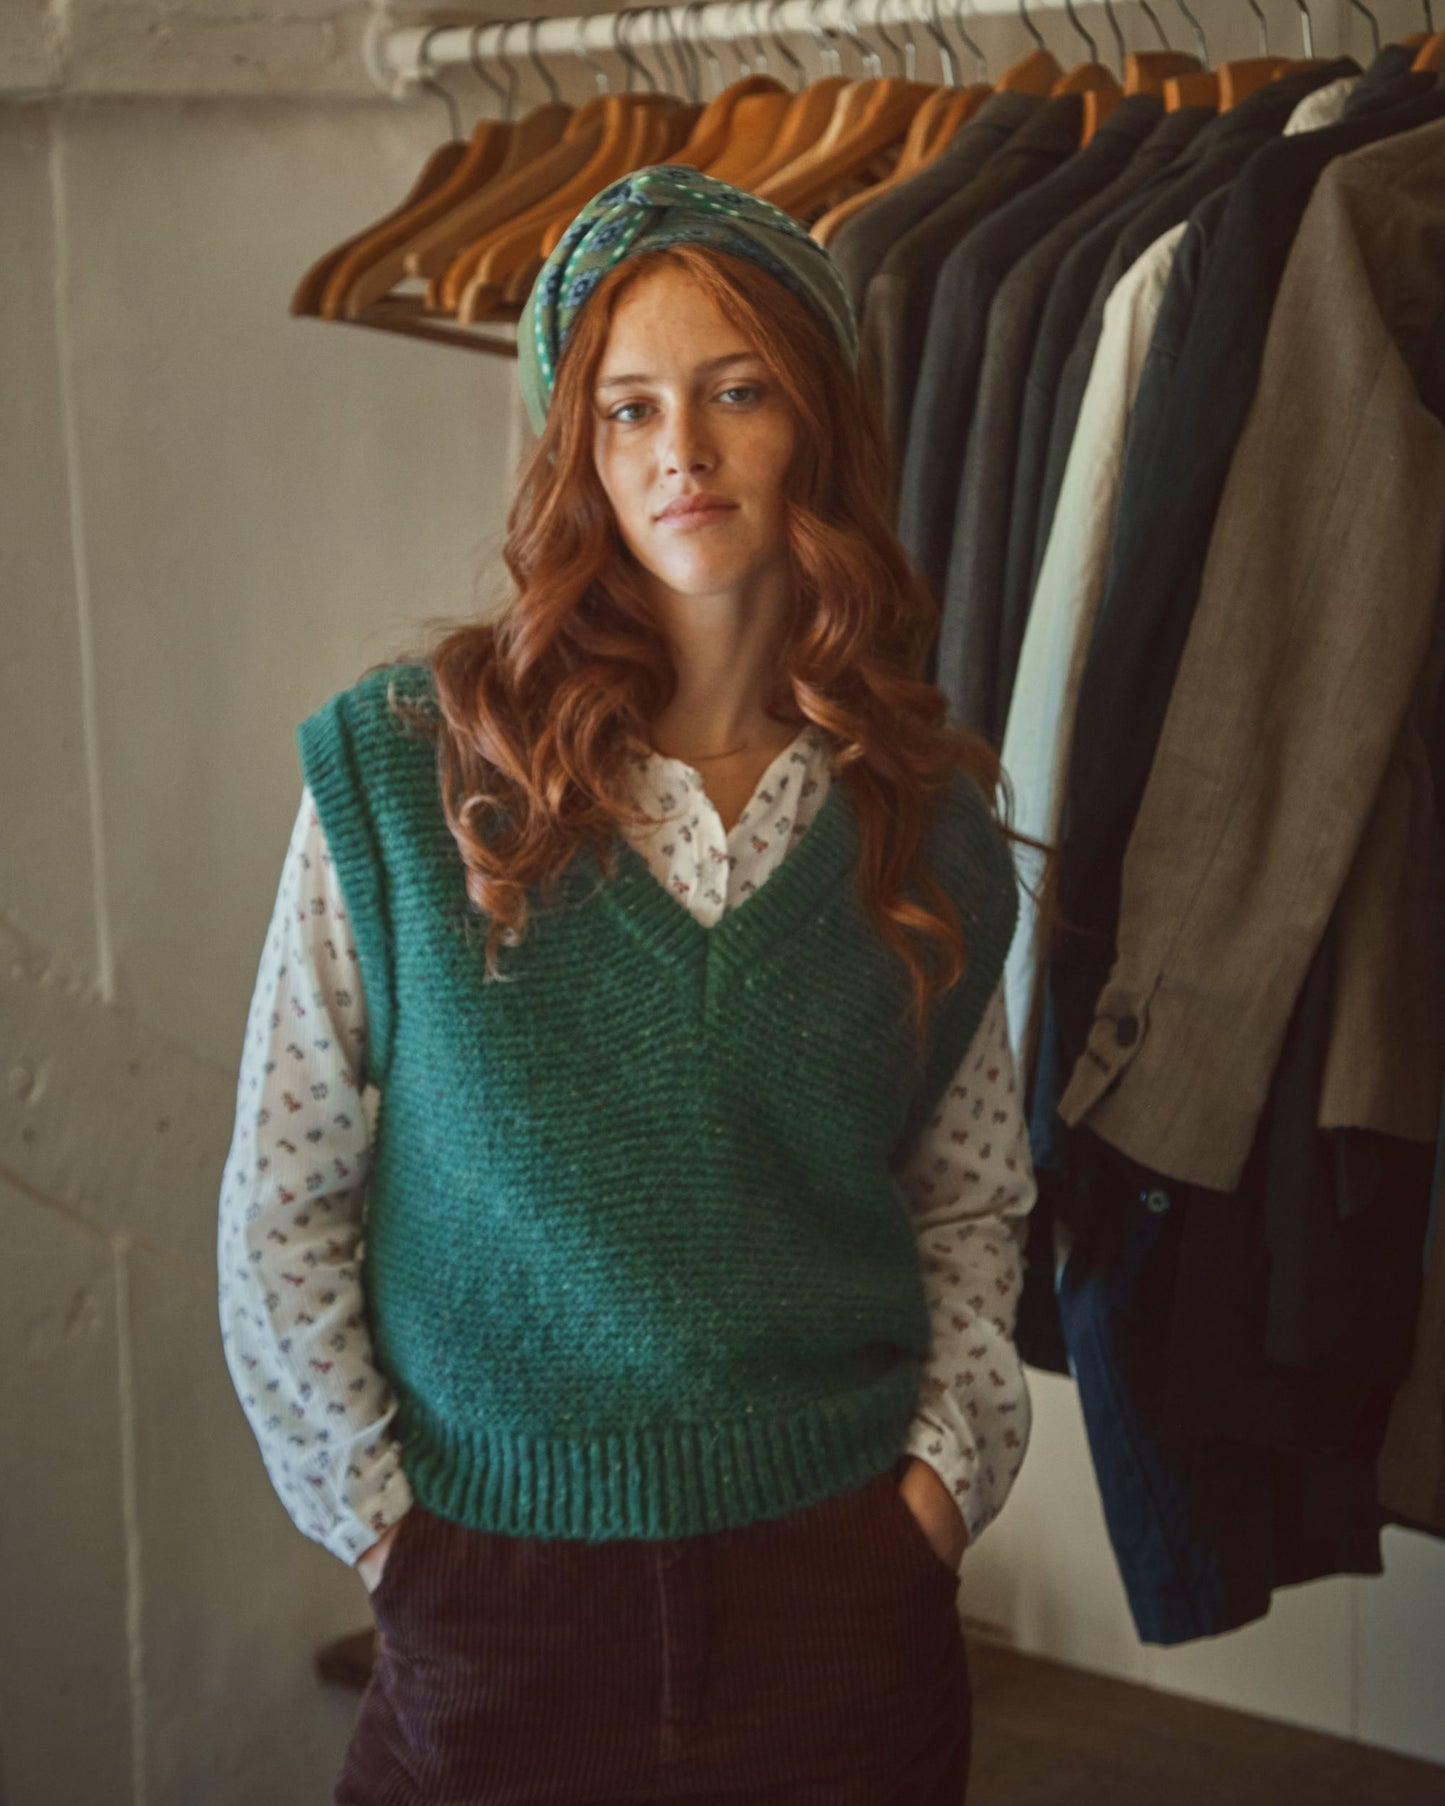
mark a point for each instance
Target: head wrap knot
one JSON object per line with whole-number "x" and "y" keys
{"x": 667, "y": 203}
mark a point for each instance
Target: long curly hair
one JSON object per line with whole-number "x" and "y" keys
{"x": 535, "y": 707}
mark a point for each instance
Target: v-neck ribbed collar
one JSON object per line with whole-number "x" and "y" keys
{"x": 826, "y": 851}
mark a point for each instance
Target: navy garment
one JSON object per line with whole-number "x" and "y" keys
{"x": 1029, "y": 294}
{"x": 969, "y": 276}
{"x": 900, "y": 296}
{"x": 1203, "y": 1527}
{"x": 1215, "y": 157}
{"x": 861, "y": 245}
{"x": 1237, "y": 1354}
{"x": 972, "y": 364}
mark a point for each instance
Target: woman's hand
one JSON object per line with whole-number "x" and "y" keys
{"x": 371, "y": 1563}
{"x": 931, "y": 1503}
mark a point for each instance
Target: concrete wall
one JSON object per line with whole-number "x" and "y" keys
{"x": 213, "y": 516}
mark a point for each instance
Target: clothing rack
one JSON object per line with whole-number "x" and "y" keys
{"x": 401, "y": 56}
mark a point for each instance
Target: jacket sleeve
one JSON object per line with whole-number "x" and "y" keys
{"x": 291, "y": 1214}
{"x": 970, "y": 1186}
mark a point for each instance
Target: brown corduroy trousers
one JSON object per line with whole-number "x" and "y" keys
{"x": 811, "y": 1660}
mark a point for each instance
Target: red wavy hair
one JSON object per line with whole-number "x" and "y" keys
{"x": 535, "y": 706}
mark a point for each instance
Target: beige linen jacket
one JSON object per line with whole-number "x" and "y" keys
{"x": 1291, "y": 775}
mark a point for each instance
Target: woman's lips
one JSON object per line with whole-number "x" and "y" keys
{"x": 699, "y": 517}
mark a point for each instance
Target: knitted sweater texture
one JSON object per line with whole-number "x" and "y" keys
{"x": 584, "y": 1343}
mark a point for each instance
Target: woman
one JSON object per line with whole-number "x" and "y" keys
{"x": 666, "y": 916}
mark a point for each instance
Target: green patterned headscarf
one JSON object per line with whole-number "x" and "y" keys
{"x": 667, "y": 203}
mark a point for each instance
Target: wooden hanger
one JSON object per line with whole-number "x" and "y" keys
{"x": 374, "y": 269}
{"x": 1201, "y": 90}
{"x": 804, "y": 124}
{"x": 438, "y": 166}
{"x": 1247, "y": 75}
{"x": 1238, "y": 80}
{"x": 934, "y": 122}
{"x": 782, "y": 134}
{"x": 713, "y": 129}
{"x": 932, "y": 130}
{"x": 483, "y": 157}
{"x": 511, "y": 194}
{"x": 934, "y": 126}
{"x": 865, "y": 124}
{"x": 1196, "y": 87}
{"x": 1034, "y": 74}
{"x": 1101, "y": 94}
{"x": 1146, "y": 71}
{"x": 517, "y": 230}
{"x": 1431, "y": 54}
{"x": 656, "y": 137}
{"x": 1090, "y": 79}
{"x": 756, "y": 122}
{"x": 637, "y": 130}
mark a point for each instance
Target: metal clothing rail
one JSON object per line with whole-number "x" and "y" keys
{"x": 401, "y": 55}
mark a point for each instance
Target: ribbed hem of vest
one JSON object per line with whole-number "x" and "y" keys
{"x": 662, "y": 1481}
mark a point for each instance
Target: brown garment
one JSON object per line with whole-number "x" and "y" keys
{"x": 817, "y": 1656}
{"x": 1387, "y": 1031}
{"x": 1318, "y": 612}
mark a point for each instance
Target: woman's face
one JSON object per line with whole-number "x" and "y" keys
{"x": 684, "y": 407}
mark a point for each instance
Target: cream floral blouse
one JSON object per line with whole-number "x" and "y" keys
{"x": 293, "y": 1193}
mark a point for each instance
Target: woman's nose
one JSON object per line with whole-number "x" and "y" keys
{"x": 688, "y": 442}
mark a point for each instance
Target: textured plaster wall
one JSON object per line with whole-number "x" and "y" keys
{"x": 211, "y": 515}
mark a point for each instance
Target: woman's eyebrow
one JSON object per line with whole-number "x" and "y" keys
{"x": 713, "y": 363}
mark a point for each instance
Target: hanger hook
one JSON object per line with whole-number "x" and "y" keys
{"x": 1256, "y": 9}
{"x": 1121, "y": 52}
{"x": 934, "y": 28}
{"x": 827, "y": 49}
{"x": 1429, "y": 18}
{"x": 1198, "y": 30}
{"x": 759, "y": 42}
{"x": 910, "y": 42}
{"x": 1153, "y": 18}
{"x": 973, "y": 45}
{"x": 898, "y": 56}
{"x": 651, "y": 9}
{"x": 1307, "y": 27}
{"x": 474, "y": 40}
{"x": 1360, "y": 7}
{"x": 687, "y": 56}
{"x": 736, "y": 40}
{"x": 1074, "y": 21}
{"x": 622, "y": 44}
{"x": 865, "y": 50}
{"x": 1029, "y": 25}
{"x": 429, "y": 81}
{"x": 579, "y": 49}
{"x": 779, "y": 44}
{"x": 699, "y": 41}
{"x": 514, "y": 83}
{"x": 534, "y": 25}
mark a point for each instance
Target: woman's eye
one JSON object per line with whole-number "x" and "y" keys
{"x": 620, "y": 413}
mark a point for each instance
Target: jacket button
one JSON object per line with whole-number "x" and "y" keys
{"x": 1156, "y": 1202}
{"x": 1126, "y": 1030}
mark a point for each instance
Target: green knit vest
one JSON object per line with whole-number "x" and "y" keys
{"x": 636, "y": 1261}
